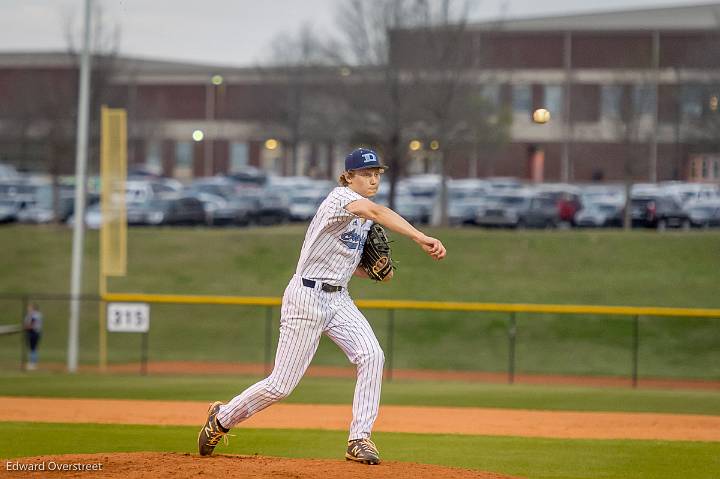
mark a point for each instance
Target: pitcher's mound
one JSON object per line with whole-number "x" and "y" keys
{"x": 177, "y": 466}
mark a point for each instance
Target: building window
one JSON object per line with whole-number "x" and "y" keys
{"x": 491, "y": 95}
{"x": 644, "y": 99}
{"x": 183, "y": 159}
{"x": 183, "y": 154}
{"x": 521, "y": 99}
{"x": 704, "y": 168}
{"x": 238, "y": 155}
{"x": 153, "y": 157}
{"x": 554, "y": 99}
{"x": 610, "y": 97}
{"x": 691, "y": 102}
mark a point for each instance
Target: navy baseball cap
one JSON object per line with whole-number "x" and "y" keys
{"x": 362, "y": 158}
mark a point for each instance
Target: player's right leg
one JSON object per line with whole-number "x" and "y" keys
{"x": 350, "y": 330}
{"x": 302, "y": 317}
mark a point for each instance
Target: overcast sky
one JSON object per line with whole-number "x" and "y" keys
{"x": 230, "y": 32}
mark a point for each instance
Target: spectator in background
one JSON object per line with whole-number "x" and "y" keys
{"x": 33, "y": 331}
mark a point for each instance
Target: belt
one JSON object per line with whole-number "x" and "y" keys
{"x": 328, "y": 288}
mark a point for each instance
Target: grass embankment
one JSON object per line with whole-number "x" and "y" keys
{"x": 571, "y": 267}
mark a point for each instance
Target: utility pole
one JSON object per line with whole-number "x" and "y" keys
{"x": 79, "y": 224}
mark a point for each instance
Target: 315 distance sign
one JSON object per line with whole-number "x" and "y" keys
{"x": 128, "y": 317}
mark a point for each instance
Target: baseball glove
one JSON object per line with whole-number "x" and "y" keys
{"x": 376, "y": 260}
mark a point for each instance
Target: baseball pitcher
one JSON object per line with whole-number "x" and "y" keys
{"x": 343, "y": 240}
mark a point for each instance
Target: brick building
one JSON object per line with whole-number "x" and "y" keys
{"x": 628, "y": 91}
{"x": 633, "y": 90}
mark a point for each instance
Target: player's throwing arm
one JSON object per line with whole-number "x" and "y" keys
{"x": 385, "y": 216}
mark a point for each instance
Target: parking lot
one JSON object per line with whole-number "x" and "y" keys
{"x": 256, "y": 198}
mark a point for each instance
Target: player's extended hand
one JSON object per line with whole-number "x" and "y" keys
{"x": 432, "y": 246}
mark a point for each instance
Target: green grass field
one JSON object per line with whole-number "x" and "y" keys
{"x": 534, "y": 458}
{"x": 571, "y": 267}
{"x": 597, "y": 267}
{"x": 613, "y": 268}
{"x": 340, "y": 391}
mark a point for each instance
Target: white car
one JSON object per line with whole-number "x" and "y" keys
{"x": 304, "y": 205}
{"x": 504, "y": 209}
{"x": 598, "y": 214}
{"x": 93, "y": 217}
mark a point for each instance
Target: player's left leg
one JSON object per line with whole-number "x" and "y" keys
{"x": 350, "y": 330}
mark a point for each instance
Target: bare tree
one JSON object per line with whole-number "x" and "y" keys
{"x": 382, "y": 99}
{"x": 414, "y": 58}
{"x": 46, "y": 107}
{"x": 634, "y": 105}
{"x": 298, "y": 69}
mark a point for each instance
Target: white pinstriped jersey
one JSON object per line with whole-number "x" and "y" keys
{"x": 334, "y": 240}
{"x": 331, "y": 252}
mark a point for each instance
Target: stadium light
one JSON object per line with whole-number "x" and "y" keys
{"x": 271, "y": 144}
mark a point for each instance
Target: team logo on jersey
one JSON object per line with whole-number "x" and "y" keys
{"x": 369, "y": 158}
{"x": 351, "y": 239}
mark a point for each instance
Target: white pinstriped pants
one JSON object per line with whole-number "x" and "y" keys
{"x": 306, "y": 314}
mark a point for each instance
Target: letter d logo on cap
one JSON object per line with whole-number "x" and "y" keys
{"x": 369, "y": 157}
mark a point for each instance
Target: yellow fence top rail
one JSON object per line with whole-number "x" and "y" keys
{"x": 428, "y": 305}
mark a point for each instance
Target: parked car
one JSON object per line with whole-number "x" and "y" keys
{"x": 599, "y": 215}
{"x": 23, "y": 190}
{"x": 172, "y": 210}
{"x": 567, "y": 200}
{"x": 658, "y": 212}
{"x": 239, "y": 211}
{"x": 422, "y": 186}
{"x": 414, "y": 211}
{"x": 603, "y": 194}
{"x": 304, "y": 204}
{"x": 504, "y": 184}
{"x": 691, "y": 192}
{"x": 249, "y": 176}
{"x": 141, "y": 190}
{"x": 210, "y": 203}
{"x": 8, "y": 173}
{"x": 465, "y": 198}
{"x": 43, "y": 212}
{"x": 542, "y": 212}
{"x": 93, "y": 217}
{"x": 704, "y": 215}
{"x": 216, "y": 185}
{"x": 504, "y": 209}
{"x": 9, "y": 209}
{"x": 272, "y": 205}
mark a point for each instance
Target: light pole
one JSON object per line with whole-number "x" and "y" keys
{"x": 79, "y": 225}
{"x": 210, "y": 99}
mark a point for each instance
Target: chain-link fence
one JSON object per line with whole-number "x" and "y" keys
{"x": 185, "y": 336}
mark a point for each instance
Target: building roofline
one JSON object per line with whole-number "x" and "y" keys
{"x": 507, "y": 22}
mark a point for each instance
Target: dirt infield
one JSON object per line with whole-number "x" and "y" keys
{"x": 442, "y": 420}
{"x": 258, "y": 369}
{"x": 180, "y": 466}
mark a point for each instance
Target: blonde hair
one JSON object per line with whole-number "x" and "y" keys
{"x": 344, "y": 176}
